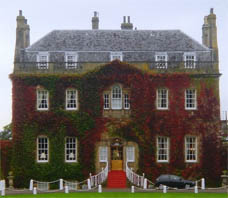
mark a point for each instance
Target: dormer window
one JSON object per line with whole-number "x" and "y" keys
{"x": 190, "y": 60}
{"x": 42, "y": 60}
{"x": 71, "y": 60}
{"x": 116, "y": 56}
{"x": 161, "y": 60}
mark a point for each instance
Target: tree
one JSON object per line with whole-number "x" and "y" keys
{"x": 6, "y": 134}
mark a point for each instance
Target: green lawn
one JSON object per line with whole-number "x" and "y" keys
{"x": 123, "y": 194}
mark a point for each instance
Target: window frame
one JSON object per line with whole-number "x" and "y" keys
{"x": 167, "y": 149}
{"x": 159, "y": 100}
{"x": 76, "y": 99}
{"x": 126, "y": 103}
{"x": 119, "y": 99}
{"x": 195, "y": 99}
{"x": 37, "y": 149}
{"x": 101, "y": 152}
{"x": 106, "y": 101}
{"x": 186, "y": 62}
{"x": 195, "y": 149}
{"x": 159, "y": 63}
{"x": 42, "y": 64}
{"x": 37, "y": 100}
{"x": 116, "y": 54}
{"x": 133, "y": 153}
{"x": 75, "y": 149}
{"x": 73, "y": 64}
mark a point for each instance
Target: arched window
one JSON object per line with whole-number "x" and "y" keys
{"x": 116, "y": 97}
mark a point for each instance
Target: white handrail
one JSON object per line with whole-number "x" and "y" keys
{"x": 134, "y": 178}
{"x": 100, "y": 177}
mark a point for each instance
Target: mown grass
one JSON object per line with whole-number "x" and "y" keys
{"x": 123, "y": 195}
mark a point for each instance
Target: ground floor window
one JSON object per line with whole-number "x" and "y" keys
{"x": 103, "y": 154}
{"x": 42, "y": 149}
{"x": 130, "y": 152}
{"x": 71, "y": 149}
{"x": 190, "y": 149}
{"x": 162, "y": 149}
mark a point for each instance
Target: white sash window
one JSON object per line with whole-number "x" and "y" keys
{"x": 42, "y": 149}
{"x": 71, "y": 99}
{"x": 162, "y": 99}
{"x": 71, "y": 149}
{"x": 190, "y": 99}
{"x": 116, "y": 97}
{"x": 103, "y": 153}
{"x": 42, "y": 99}
{"x": 162, "y": 149}
{"x": 191, "y": 149}
{"x": 130, "y": 152}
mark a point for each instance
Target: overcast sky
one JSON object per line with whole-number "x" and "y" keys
{"x": 46, "y": 15}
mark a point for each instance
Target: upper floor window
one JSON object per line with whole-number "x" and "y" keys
{"x": 189, "y": 59}
{"x": 161, "y": 60}
{"x": 42, "y": 99}
{"x": 106, "y": 101}
{"x": 162, "y": 99}
{"x": 162, "y": 149}
{"x": 103, "y": 153}
{"x": 42, "y": 149}
{"x": 190, "y": 99}
{"x": 190, "y": 149}
{"x": 71, "y": 60}
{"x": 130, "y": 153}
{"x": 71, "y": 99}
{"x": 116, "y": 97}
{"x": 116, "y": 55}
{"x": 71, "y": 149}
{"x": 126, "y": 101}
{"x": 42, "y": 60}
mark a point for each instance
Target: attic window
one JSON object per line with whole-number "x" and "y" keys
{"x": 116, "y": 56}
{"x": 42, "y": 60}
{"x": 71, "y": 60}
{"x": 161, "y": 60}
{"x": 190, "y": 60}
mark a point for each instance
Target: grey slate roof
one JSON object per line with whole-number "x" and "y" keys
{"x": 117, "y": 40}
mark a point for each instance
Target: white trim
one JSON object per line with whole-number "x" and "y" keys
{"x": 42, "y": 64}
{"x": 38, "y": 99}
{"x": 37, "y": 150}
{"x": 128, "y": 150}
{"x": 195, "y": 149}
{"x": 116, "y": 54}
{"x": 73, "y": 64}
{"x": 167, "y": 149}
{"x": 75, "y": 148}
{"x": 103, "y": 150}
{"x": 195, "y": 99}
{"x": 167, "y": 99}
{"x": 76, "y": 99}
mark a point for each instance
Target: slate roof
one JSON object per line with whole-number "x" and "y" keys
{"x": 117, "y": 40}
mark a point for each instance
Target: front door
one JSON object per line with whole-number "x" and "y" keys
{"x": 117, "y": 154}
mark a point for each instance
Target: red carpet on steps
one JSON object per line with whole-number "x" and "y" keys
{"x": 116, "y": 179}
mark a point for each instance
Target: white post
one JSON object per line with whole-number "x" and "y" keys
{"x": 66, "y": 189}
{"x": 145, "y": 184}
{"x": 164, "y": 189}
{"x": 196, "y": 189}
{"x": 34, "y": 191}
{"x": 3, "y": 192}
{"x": 203, "y": 184}
{"x": 132, "y": 189}
{"x": 89, "y": 184}
{"x": 61, "y": 184}
{"x": 31, "y": 185}
{"x": 99, "y": 188}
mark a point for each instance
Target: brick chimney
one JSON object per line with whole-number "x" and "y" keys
{"x": 126, "y": 25}
{"x": 22, "y": 36}
{"x": 95, "y": 21}
{"x": 209, "y": 33}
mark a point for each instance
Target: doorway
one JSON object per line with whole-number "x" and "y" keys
{"x": 117, "y": 154}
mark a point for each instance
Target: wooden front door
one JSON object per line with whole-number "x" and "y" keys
{"x": 117, "y": 155}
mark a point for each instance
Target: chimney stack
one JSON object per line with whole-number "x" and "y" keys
{"x": 126, "y": 25}
{"x": 22, "y": 35}
{"x": 95, "y": 21}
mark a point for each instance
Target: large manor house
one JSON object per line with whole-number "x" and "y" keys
{"x": 82, "y": 99}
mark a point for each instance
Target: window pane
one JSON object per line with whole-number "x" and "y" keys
{"x": 42, "y": 149}
{"x": 103, "y": 153}
{"x": 130, "y": 151}
{"x": 106, "y": 101}
{"x": 162, "y": 149}
{"x": 162, "y": 98}
{"x": 161, "y": 61}
{"x": 70, "y": 149}
{"x": 126, "y": 101}
{"x": 42, "y": 99}
{"x": 191, "y": 149}
{"x": 116, "y": 98}
{"x": 190, "y": 99}
{"x": 71, "y": 99}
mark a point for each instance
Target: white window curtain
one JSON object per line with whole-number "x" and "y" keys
{"x": 130, "y": 152}
{"x": 103, "y": 153}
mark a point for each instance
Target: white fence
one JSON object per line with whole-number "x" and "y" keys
{"x": 100, "y": 177}
{"x": 135, "y": 179}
